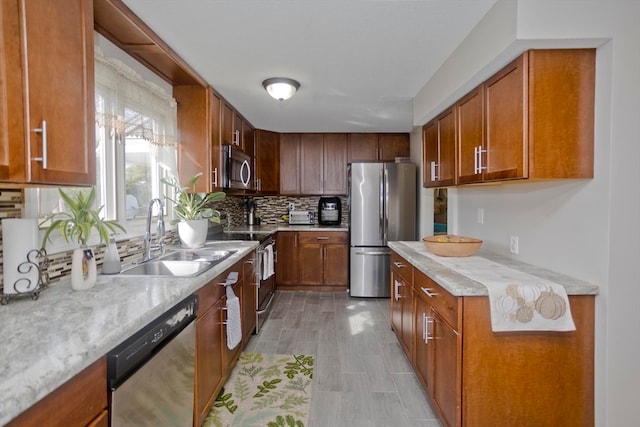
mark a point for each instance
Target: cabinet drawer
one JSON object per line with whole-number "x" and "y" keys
{"x": 322, "y": 237}
{"x": 210, "y": 293}
{"x": 401, "y": 267}
{"x": 447, "y": 305}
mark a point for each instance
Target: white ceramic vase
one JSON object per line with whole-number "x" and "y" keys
{"x": 193, "y": 233}
{"x": 83, "y": 269}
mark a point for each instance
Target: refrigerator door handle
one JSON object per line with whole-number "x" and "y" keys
{"x": 386, "y": 207}
{"x": 381, "y": 231}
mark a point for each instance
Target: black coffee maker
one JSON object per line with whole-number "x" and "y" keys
{"x": 329, "y": 211}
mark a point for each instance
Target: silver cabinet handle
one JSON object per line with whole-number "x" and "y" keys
{"x": 42, "y": 130}
{"x": 215, "y": 177}
{"x": 322, "y": 238}
{"x": 434, "y": 165}
{"x": 429, "y": 292}
{"x": 396, "y": 290}
{"x": 398, "y": 264}
{"x": 427, "y": 321}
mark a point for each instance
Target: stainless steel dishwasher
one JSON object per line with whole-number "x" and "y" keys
{"x": 151, "y": 374}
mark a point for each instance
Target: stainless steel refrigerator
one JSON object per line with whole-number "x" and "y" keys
{"x": 382, "y": 208}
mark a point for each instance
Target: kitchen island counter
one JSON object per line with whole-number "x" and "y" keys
{"x": 46, "y": 342}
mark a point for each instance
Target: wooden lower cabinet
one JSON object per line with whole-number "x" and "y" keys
{"x": 214, "y": 360}
{"x": 402, "y": 301}
{"x": 249, "y": 297}
{"x": 63, "y": 408}
{"x": 476, "y": 378}
{"x": 319, "y": 259}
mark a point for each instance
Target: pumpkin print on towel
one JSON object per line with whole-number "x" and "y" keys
{"x": 520, "y": 303}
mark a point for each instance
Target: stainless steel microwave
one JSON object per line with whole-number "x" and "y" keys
{"x": 236, "y": 169}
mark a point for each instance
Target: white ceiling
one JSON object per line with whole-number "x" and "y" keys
{"x": 359, "y": 62}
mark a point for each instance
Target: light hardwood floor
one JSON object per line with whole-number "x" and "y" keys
{"x": 361, "y": 375}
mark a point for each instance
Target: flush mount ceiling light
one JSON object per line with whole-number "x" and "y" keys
{"x": 281, "y": 88}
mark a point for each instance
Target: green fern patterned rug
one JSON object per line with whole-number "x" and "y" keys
{"x": 265, "y": 390}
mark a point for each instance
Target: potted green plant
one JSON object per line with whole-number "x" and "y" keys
{"x": 193, "y": 211}
{"x": 75, "y": 223}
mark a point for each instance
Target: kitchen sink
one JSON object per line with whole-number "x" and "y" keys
{"x": 179, "y": 263}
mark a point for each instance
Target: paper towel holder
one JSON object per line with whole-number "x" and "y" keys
{"x": 36, "y": 258}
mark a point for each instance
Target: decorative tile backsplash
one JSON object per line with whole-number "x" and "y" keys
{"x": 270, "y": 208}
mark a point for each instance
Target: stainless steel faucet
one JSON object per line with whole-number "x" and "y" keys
{"x": 148, "y": 247}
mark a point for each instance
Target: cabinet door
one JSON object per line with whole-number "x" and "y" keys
{"x": 290, "y": 163}
{"x": 193, "y": 150}
{"x": 287, "y": 267}
{"x": 470, "y": 113}
{"x": 430, "y": 154}
{"x": 267, "y": 155}
{"x": 209, "y": 367}
{"x": 215, "y": 128}
{"x": 248, "y": 139}
{"x": 335, "y": 163}
{"x": 392, "y": 145}
{"x": 363, "y": 147}
{"x": 231, "y": 355}
{"x": 237, "y": 130}
{"x": 439, "y": 151}
{"x": 336, "y": 264}
{"x": 446, "y": 365}
{"x": 12, "y": 147}
{"x": 506, "y": 133}
{"x": 406, "y": 292}
{"x": 422, "y": 344}
{"x": 311, "y": 163}
{"x": 310, "y": 257}
{"x": 228, "y": 135}
{"x": 59, "y": 44}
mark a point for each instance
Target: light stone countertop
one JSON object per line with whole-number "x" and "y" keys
{"x": 459, "y": 285}
{"x": 46, "y": 342}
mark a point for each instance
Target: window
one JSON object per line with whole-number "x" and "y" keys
{"x": 136, "y": 145}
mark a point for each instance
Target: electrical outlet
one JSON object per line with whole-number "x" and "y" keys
{"x": 513, "y": 245}
{"x": 480, "y": 215}
{"x": 292, "y": 206}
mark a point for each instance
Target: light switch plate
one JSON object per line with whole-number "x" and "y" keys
{"x": 513, "y": 245}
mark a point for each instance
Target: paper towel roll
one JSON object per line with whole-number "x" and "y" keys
{"x": 19, "y": 236}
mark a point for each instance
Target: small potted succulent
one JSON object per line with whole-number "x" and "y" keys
{"x": 193, "y": 211}
{"x": 75, "y": 223}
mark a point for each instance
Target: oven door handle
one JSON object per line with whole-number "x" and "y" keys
{"x": 271, "y": 295}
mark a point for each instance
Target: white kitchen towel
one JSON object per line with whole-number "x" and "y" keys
{"x": 267, "y": 262}
{"x": 519, "y": 301}
{"x": 234, "y": 327}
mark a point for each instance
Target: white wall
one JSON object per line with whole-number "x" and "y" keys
{"x": 588, "y": 229}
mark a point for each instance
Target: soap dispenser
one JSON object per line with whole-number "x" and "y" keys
{"x": 111, "y": 263}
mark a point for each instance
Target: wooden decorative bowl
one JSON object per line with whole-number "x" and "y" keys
{"x": 450, "y": 245}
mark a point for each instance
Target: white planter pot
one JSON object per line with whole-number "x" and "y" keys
{"x": 83, "y": 269}
{"x": 193, "y": 233}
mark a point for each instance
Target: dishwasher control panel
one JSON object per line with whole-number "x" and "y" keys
{"x": 124, "y": 359}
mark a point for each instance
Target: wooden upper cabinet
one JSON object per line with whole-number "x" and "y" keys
{"x": 470, "y": 114}
{"x": 363, "y": 147}
{"x": 229, "y": 135}
{"x": 392, "y": 145}
{"x": 377, "y": 147}
{"x": 248, "y": 138}
{"x": 439, "y": 150}
{"x": 215, "y": 138}
{"x": 267, "y": 157}
{"x": 311, "y": 163}
{"x": 290, "y": 163}
{"x": 53, "y": 88}
{"x": 534, "y": 119}
{"x": 193, "y": 150}
{"x": 335, "y": 163}
{"x": 504, "y": 154}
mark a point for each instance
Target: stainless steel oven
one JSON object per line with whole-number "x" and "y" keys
{"x": 151, "y": 374}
